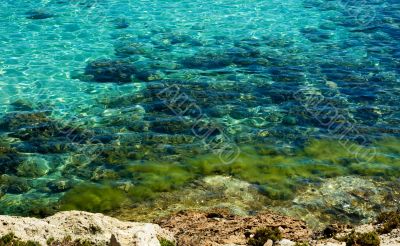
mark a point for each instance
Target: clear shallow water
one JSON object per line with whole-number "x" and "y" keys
{"x": 90, "y": 113}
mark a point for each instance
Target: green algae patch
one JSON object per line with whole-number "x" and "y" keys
{"x": 159, "y": 177}
{"x": 364, "y": 239}
{"x": 11, "y": 240}
{"x": 93, "y": 198}
{"x": 277, "y": 174}
{"x": 262, "y": 235}
{"x": 67, "y": 241}
{"x": 274, "y": 173}
{"x": 388, "y": 221}
{"x": 165, "y": 242}
{"x": 327, "y": 150}
{"x": 152, "y": 178}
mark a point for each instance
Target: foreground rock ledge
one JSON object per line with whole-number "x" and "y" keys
{"x": 217, "y": 228}
{"x": 96, "y": 228}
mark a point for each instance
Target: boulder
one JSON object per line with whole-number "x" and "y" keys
{"x": 109, "y": 70}
{"x": 97, "y": 229}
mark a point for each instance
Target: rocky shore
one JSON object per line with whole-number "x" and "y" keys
{"x": 192, "y": 228}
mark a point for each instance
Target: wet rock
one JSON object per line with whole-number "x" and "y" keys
{"x": 121, "y": 23}
{"x": 23, "y": 105}
{"x": 210, "y": 194}
{"x": 104, "y": 174}
{"x": 165, "y": 65}
{"x": 289, "y": 120}
{"x": 351, "y": 199}
{"x": 37, "y": 126}
{"x": 13, "y": 185}
{"x": 132, "y": 48}
{"x": 171, "y": 125}
{"x": 178, "y": 38}
{"x": 59, "y": 185}
{"x": 38, "y": 14}
{"x": 282, "y": 93}
{"x": 288, "y": 74}
{"x": 279, "y": 41}
{"x": 149, "y": 75}
{"x": 368, "y": 114}
{"x": 23, "y": 120}
{"x": 207, "y": 60}
{"x": 168, "y": 139}
{"x": 46, "y": 146}
{"x": 9, "y": 160}
{"x": 315, "y": 35}
{"x": 33, "y": 167}
{"x": 108, "y": 70}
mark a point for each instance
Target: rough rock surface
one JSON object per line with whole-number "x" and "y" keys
{"x": 212, "y": 192}
{"x": 96, "y": 228}
{"x": 389, "y": 239}
{"x": 352, "y": 199}
{"x": 222, "y": 228}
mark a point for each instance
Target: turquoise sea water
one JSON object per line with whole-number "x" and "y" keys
{"x": 114, "y": 103}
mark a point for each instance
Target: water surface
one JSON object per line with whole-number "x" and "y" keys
{"x": 117, "y": 103}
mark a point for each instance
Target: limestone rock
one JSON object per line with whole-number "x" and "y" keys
{"x": 96, "y": 228}
{"x": 219, "y": 227}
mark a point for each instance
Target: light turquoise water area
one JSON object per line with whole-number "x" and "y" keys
{"x": 114, "y": 103}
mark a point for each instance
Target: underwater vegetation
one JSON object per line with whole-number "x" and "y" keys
{"x": 367, "y": 239}
{"x": 92, "y": 198}
{"x": 165, "y": 242}
{"x": 276, "y": 175}
{"x": 96, "y": 125}
{"x": 11, "y": 240}
{"x": 389, "y": 221}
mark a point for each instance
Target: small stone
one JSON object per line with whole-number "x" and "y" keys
{"x": 285, "y": 242}
{"x": 269, "y": 243}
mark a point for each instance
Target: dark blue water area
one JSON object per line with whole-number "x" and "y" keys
{"x": 133, "y": 99}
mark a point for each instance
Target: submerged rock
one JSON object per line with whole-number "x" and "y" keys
{"x": 23, "y": 105}
{"x": 38, "y": 14}
{"x": 149, "y": 75}
{"x": 121, "y": 23}
{"x": 9, "y": 160}
{"x": 212, "y": 192}
{"x": 351, "y": 199}
{"x": 95, "y": 229}
{"x": 59, "y": 185}
{"x": 38, "y": 127}
{"x": 315, "y": 35}
{"x": 23, "y": 120}
{"x": 33, "y": 167}
{"x": 108, "y": 70}
{"x": 132, "y": 48}
{"x": 13, "y": 185}
{"x": 208, "y": 60}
